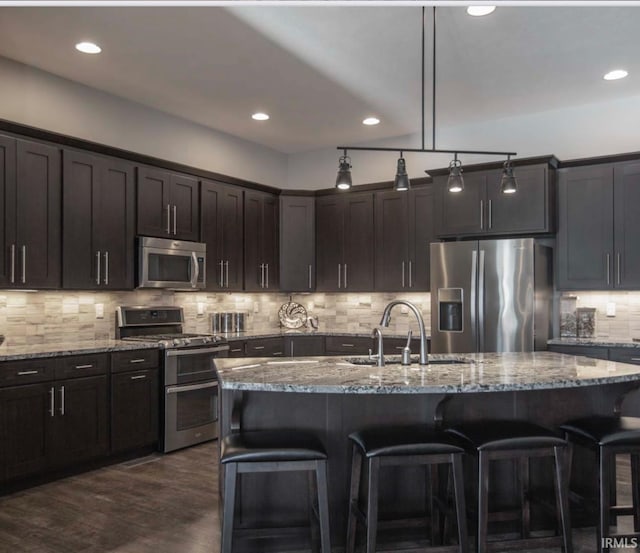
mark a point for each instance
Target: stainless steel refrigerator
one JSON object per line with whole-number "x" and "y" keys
{"x": 490, "y": 295}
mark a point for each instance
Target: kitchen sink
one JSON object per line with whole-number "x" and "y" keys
{"x": 395, "y": 360}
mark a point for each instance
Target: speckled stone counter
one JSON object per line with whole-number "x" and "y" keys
{"x": 14, "y": 353}
{"x": 595, "y": 342}
{"x": 278, "y": 332}
{"x": 488, "y": 372}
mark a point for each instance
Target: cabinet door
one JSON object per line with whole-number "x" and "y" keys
{"x": 265, "y": 347}
{"x": 135, "y": 397}
{"x": 627, "y": 226}
{"x": 184, "y": 207}
{"x": 297, "y": 243}
{"x": 350, "y": 345}
{"x": 232, "y": 216}
{"x": 115, "y": 218}
{"x": 254, "y": 271}
{"x": 269, "y": 242}
{"x": 304, "y": 346}
{"x": 358, "y": 270}
{"x": 38, "y": 215}
{"x": 154, "y": 203}
{"x": 527, "y": 210}
{"x": 421, "y": 234}
{"x": 211, "y": 232}
{"x": 7, "y": 204}
{"x": 392, "y": 241}
{"x": 329, "y": 241}
{"x": 25, "y": 422}
{"x": 585, "y": 228}
{"x": 462, "y": 213}
{"x": 80, "y": 423}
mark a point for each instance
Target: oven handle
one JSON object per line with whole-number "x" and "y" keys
{"x": 194, "y": 351}
{"x": 195, "y": 270}
{"x": 178, "y": 389}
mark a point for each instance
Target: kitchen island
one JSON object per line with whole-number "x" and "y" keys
{"x": 333, "y": 396}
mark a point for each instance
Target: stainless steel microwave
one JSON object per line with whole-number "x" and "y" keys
{"x": 172, "y": 264}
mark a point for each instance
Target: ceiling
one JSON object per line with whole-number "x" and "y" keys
{"x": 318, "y": 71}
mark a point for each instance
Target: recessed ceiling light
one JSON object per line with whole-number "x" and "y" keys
{"x": 479, "y": 11}
{"x": 260, "y": 116}
{"x": 615, "y": 75}
{"x": 371, "y": 121}
{"x": 88, "y": 48}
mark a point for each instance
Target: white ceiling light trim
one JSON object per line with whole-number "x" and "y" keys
{"x": 260, "y": 116}
{"x": 615, "y": 75}
{"x": 88, "y": 48}
{"x": 479, "y": 11}
{"x": 370, "y": 121}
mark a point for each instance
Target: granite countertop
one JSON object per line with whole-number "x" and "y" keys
{"x": 484, "y": 372}
{"x": 278, "y": 332}
{"x": 600, "y": 342}
{"x": 17, "y": 352}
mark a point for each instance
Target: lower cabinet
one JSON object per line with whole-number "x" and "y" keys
{"x": 585, "y": 351}
{"x": 304, "y": 346}
{"x": 350, "y": 345}
{"x": 264, "y": 347}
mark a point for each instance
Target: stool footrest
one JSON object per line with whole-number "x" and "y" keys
{"x": 622, "y": 510}
{"x": 528, "y": 543}
{"x": 428, "y": 549}
{"x": 271, "y": 532}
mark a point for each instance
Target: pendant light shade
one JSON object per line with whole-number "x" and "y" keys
{"x": 402, "y": 182}
{"x": 343, "y": 180}
{"x": 508, "y": 182}
{"x": 455, "y": 182}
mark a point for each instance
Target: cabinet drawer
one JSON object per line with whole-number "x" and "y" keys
{"x": 337, "y": 345}
{"x": 82, "y": 365}
{"x": 625, "y": 355}
{"x": 265, "y": 347}
{"x": 236, "y": 349}
{"x": 14, "y": 373}
{"x": 134, "y": 360}
{"x": 394, "y": 346}
{"x": 585, "y": 351}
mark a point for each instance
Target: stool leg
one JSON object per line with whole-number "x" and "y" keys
{"x": 433, "y": 489}
{"x": 561, "y": 458}
{"x": 228, "y": 510}
{"x": 323, "y": 505}
{"x": 483, "y": 501}
{"x": 635, "y": 492}
{"x": 525, "y": 504}
{"x": 604, "y": 482}
{"x": 354, "y": 495}
{"x": 461, "y": 508}
{"x": 372, "y": 504}
{"x": 446, "y": 519}
{"x": 314, "y": 515}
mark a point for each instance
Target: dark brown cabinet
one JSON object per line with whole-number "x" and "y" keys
{"x": 167, "y": 204}
{"x": 598, "y": 225}
{"x": 344, "y": 242}
{"x": 265, "y": 347}
{"x": 30, "y": 183}
{"x": 348, "y": 345}
{"x": 221, "y": 229}
{"x": 482, "y": 209}
{"x": 404, "y": 229}
{"x": 98, "y": 229}
{"x": 303, "y": 346}
{"x": 297, "y": 243}
{"x": 261, "y": 265}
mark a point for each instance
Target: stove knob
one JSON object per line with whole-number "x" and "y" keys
{"x": 186, "y": 341}
{"x": 165, "y": 343}
{"x": 176, "y": 341}
{"x": 207, "y": 339}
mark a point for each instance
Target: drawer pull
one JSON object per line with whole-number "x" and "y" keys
{"x": 139, "y": 377}
{"x": 236, "y": 350}
{"x": 348, "y": 345}
{"x": 137, "y": 360}
{"x": 277, "y": 353}
{"x": 635, "y": 359}
{"x": 258, "y": 347}
{"x": 83, "y": 366}
{"x": 25, "y": 373}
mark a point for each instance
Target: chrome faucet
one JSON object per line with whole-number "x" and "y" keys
{"x": 386, "y": 317}
{"x": 377, "y": 333}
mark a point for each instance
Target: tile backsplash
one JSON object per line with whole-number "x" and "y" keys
{"x": 57, "y": 316}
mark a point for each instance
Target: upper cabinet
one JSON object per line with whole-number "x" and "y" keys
{"x": 344, "y": 242}
{"x": 98, "y": 232}
{"x": 598, "y": 225}
{"x": 261, "y": 266}
{"x": 482, "y": 209}
{"x": 30, "y": 187}
{"x": 297, "y": 243}
{"x": 221, "y": 228}
{"x": 167, "y": 204}
{"x": 404, "y": 229}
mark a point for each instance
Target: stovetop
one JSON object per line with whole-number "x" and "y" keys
{"x": 178, "y": 340}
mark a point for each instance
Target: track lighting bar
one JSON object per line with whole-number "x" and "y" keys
{"x": 427, "y": 150}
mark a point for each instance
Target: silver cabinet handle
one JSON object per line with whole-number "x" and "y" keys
{"x": 175, "y": 220}
{"x": 191, "y": 388}
{"x": 226, "y": 272}
{"x": 25, "y": 373}
{"x": 106, "y": 267}
{"x": 221, "y": 273}
{"x": 345, "y": 276}
{"x": 261, "y": 275}
{"x": 24, "y": 264}
{"x": 62, "y": 400}
{"x": 276, "y": 353}
{"x": 137, "y": 360}
{"x": 258, "y": 347}
{"x": 608, "y": 269}
{"x": 410, "y": 280}
{"x": 98, "y": 268}
{"x": 490, "y": 215}
{"x": 139, "y": 377}
{"x": 310, "y": 286}
{"x": 13, "y": 263}
{"x": 481, "y": 214}
{"x": 403, "y": 274}
{"x": 635, "y": 359}
{"x": 83, "y": 366}
{"x": 339, "y": 274}
{"x": 291, "y": 348}
{"x": 52, "y": 402}
{"x": 267, "y": 273}
{"x": 168, "y": 219}
{"x": 348, "y": 345}
{"x": 236, "y": 350}
{"x": 618, "y": 264}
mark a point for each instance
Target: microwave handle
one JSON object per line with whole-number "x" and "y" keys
{"x": 195, "y": 270}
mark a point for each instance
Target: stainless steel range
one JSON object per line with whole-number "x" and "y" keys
{"x": 190, "y": 410}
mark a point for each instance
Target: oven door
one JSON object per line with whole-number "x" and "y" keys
{"x": 190, "y": 414}
{"x": 171, "y": 264}
{"x": 182, "y": 366}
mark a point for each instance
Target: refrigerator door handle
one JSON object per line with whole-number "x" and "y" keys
{"x": 472, "y": 295}
{"x": 481, "y": 302}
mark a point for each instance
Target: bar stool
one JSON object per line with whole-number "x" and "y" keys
{"x": 273, "y": 451}
{"x": 402, "y": 446}
{"x": 520, "y": 441}
{"x": 608, "y": 437}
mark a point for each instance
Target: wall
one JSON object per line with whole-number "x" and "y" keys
{"x": 40, "y": 99}
{"x": 56, "y": 317}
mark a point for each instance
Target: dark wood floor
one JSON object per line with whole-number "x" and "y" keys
{"x": 168, "y": 504}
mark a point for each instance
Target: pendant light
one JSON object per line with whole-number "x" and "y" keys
{"x": 455, "y": 182}
{"x": 402, "y": 182}
{"x": 343, "y": 180}
{"x": 508, "y": 182}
